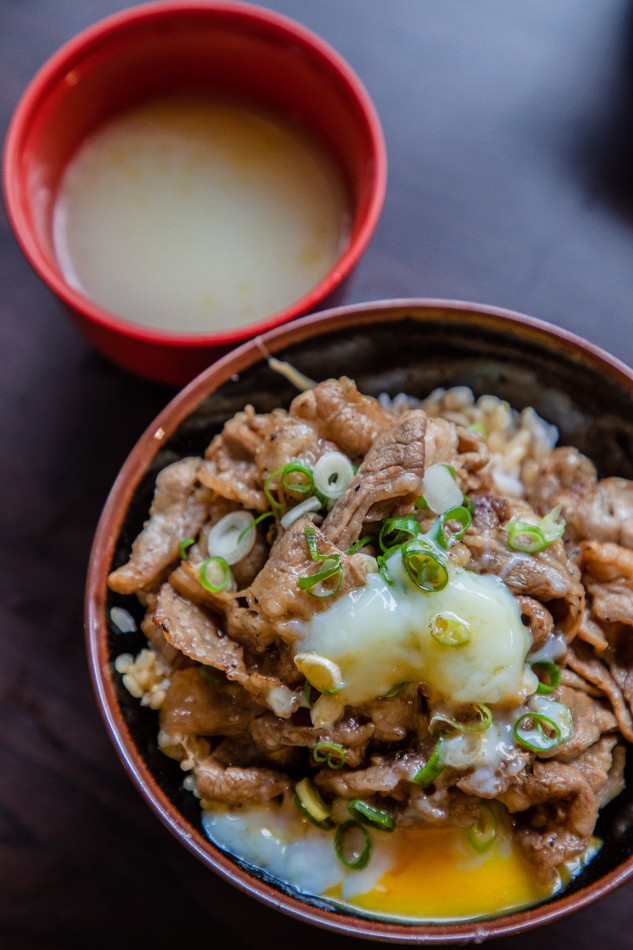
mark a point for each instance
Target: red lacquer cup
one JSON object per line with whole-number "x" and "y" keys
{"x": 186, "y": 47}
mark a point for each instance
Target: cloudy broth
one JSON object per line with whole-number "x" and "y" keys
{"x": 197, "y": 215}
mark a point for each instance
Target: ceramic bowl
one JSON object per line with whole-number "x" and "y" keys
{"x": 192, "y": 47}
{"x": 399, "y": 346}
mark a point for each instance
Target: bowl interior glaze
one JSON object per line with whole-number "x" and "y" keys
{"x": 402, "y": 346}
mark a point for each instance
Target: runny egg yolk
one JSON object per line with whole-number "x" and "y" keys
{"x": 438, "y": 876}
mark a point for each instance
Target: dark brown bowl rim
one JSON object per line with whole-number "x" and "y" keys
{"x": 96, "y": 641}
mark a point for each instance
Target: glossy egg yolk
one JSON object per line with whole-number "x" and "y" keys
{"x": 438, "y": 876}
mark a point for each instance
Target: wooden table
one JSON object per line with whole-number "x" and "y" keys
{"x": 508, "y": 129}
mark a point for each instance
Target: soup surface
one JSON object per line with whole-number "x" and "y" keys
{"x": 195, "y": 215}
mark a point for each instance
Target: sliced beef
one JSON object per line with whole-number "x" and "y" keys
{"x": 288, "y": 440}
{"x": 591, "y": 719}
{"x": 548, "y": 576}
{"x": 602, "y": 765}
{"x": 607, "y": 573}
{"x": 557, "y": 813}
{"x": 584, "y": 663}
{"x": 178, "y": 511}
{"x": 270, "y": 734}
{"x": 230, "y": 468}
{"x": 339, "y": 413}
{"x": 388, "y": 481}
{"x": 196, "y": 706}
{"x": 235, "y": 785}
{"x": 394, "y": 717}
{"x": 564, "y": 477}
{"x": 275, "y": 592}
{"x": 193, "y": 631}
{"x": 386, "y": 776}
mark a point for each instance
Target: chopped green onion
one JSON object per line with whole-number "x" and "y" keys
{"x": 210, "y": 677}
{"x": 468, "y": 505}
{"x": 332, "y": 474}
{"x": 552, "y": 670}
{"x": 184, "y": 546}
{"x": 421, "y": 503}
{"x": 480, "y": 725}
{"x": 321, "y": 672}
{"x": 297, "y": 468}
{"x": 312, "y": 806}
{"x": 551, "y": 528}
{"x": 368, "y": 815}
{"x": 251, "y": 526}
{"x": 293, "y": 514}
{"x": 434, "y": 767}
{"x": 361, "y": 543}
{"x": 530, "y": 538}
{"x": 342, "y": 845}
{"x": 482, "y": 835}
{"x": 289, "y": 468}
{"x": 527, "y": 538}
{"x": 306, "y": 691}
{"x": 441, "y": 490}
{"x": 214, "y": 574}
{"x": 330, "y": 568}
{"x": 450, "y": 631}
{"x": 477, "y": 427}
{"x": 537, "y": 733}
{"x": 459, "y": 514}
{"x": 400, "y": 530}
{"x": 229, "y": 537}
{"x": 424, "y": 567}
{"x": 394, "y": 692}
{"x": 330, "y": 752}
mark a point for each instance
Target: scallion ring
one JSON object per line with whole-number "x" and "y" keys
{"x": 449, "y": 630}
{"x": 394, "y": 692}
{"x": 214, "y": 574}
{"x": 441, "y": 491}
{"x": 331, "y": 568}
{"x": 306, "y": 693}
{"x": 479, "y": 725}
{"x": 343, "y": 841}
{"x": 524, "y": 537}
{"x": 482, "y": 834}
{"x": 303, "y": 508}
{"x": 462, "y": 516}
{"x": 434, "y": 767}
{"x": 230, "y": 537}
{"x": 551, "y": 670}
{"x": 395, "y": 531}
{"x": 253, "y": 524}
{"x": 358, "y": 545}
{"x": 332, "y": 474}
{"x": 330, "y": 752}
{"x": 285, "y": 471}
{"x": 183, "y": 548}
{"x": 368, "y": 815}
{"x": 297, "y": 468}
{"x": 424, "y": 567}
{"x": 312, "y": 806}
{"x": 530, "y": 731}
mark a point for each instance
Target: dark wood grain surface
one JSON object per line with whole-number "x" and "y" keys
{"x": 510, "y": 140}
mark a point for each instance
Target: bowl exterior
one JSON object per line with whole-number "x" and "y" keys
{"x": 193, "y": 46}
{"x": 372, "y": 340}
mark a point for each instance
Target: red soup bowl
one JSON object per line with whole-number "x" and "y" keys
{"x": 198, "y": 47}
{"x": 410, "y": 346}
